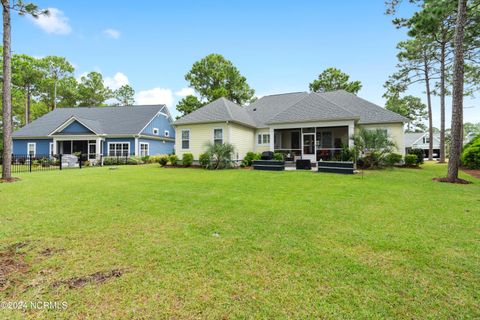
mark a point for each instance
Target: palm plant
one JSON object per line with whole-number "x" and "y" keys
{"x": 373, "y": 146}
{"x": 220, "y": 155}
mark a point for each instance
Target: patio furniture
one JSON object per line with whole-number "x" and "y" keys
{"x": 303, "y": 164}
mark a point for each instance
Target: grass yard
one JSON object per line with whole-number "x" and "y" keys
{"x": 147, "y": 242}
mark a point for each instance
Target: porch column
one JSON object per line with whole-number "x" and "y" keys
{"x": 54, "y": 146}
{"x": 351, "y": 132}
{"x": 272, "y": 139}
{"x": 98, "y": 143}
{"x": 136, "y": 147}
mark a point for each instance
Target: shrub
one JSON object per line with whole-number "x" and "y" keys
{"x": 204, "y": 160}
{"x": 419, "y": 153}
{"x": 392, "y": 159}
{"x": 173, "y": 159}
{"x": 86, "y": 163}
{"x": 411, "y": 160}
{"x": 153, "y": 159}
{"x": 134, "y": 161}
{"x": 249, "y": 158}
{"x": 145, "y": 159}
{"x": 347, "y": 154}
{"x": 373, "y": 160}
{"x": 278, "y": 156}
{"x": 470, "y": 157}
{"x": 220, "y": 155}
{"x": 163, "y": 160}
{"x": 187, "y": 159}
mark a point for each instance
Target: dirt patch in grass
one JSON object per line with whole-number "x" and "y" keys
{"x": 12, "y": 263}
{"x": 48, "y": 252}
{"x": 9, "y": 180}
{"x": 457, "y": 181}
{"x": 97, "y": 277}
{"x": 473, "y": 173}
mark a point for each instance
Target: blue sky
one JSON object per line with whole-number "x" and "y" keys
{"x": 280, "y": 46}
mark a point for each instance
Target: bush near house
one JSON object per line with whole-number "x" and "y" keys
{"x": 187, "y": 159}
{"x": 204, "y": 160}
{"x": 220, "y": 156}
{"x": 278, "y": 156}
{"x": 173, "y": 159}
{"x": 373, "y": 146}
{"x": 419, "y": 153}
{"x": 471, "y": 154}
{"x": 411, "y": 160}
{"x": 163, "y": 159}
{"x": 249, "y": 158}
{"x": 392, "y": 159}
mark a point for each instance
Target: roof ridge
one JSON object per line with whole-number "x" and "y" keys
{"x": 226, "y": 104}
{"x": 279, "y": 94}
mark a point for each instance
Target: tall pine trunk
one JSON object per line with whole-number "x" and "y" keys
{"x": 442, "y": 100}
{"x": 457, "y": 97}
{"x": 7, "y": 95}
{"x": 429, "y": 105}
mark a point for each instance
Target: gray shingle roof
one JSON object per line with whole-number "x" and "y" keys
{"x": 294, "y": 107}
{"x": 267, "y": 107}
{"x": 412, "y": 138}
{"x": 103, "y": 120}
{"x": 311, "y": 107}
{"x": 367, "y": 111}
{"x": 219, "y": 110}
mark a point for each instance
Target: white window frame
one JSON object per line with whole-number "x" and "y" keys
{"x": 155, "y": 131}
{"x": 148, "y": 149}
{"x": 115, "y": 151}
{"x": 166, "y": 133}
{"x": 426, "y": 140}
{"x": 189, "y": 138}
{"x": 261, "y": 136}
{"x": 214, "y": 135}
{"x": 50, "y": 148}
{"x": 34, "y": 144}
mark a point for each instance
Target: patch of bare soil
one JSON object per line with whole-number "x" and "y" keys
{"x": 457, "y": 181}
{"x": 47, "y": 252}
{"x": 97, "y": 277}
{"x": 12, "y": 262}
{"x": 473, "y": 173}
{"x": 10, "y": 180}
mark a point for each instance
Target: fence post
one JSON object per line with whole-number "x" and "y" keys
{"x": 60, "y": 159}
{"x": 80, "y": 161}
{"x": 30, "y": 162}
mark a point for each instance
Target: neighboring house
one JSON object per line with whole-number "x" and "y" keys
{"x": 107, "y": 131}
{"x": 303, "y": 125}
{"x": 421, "y": 140}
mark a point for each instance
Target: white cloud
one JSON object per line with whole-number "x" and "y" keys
{"x": 115, "y": 82}
{"x": 155, "y": 96}
{"x": 185, "y": 92}
{"x": 55, "y": 22}
{"x": 112, "y": 33}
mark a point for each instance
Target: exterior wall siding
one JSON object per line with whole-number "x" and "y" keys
{"x": 242, "y": 138}
{"x": 395, "y": 130}
{"x": 76, "y": 127}
{"x": 200, "y": 135}
{"x": 163, "y": 124}
{"x": 20, "y": 146}
{"x": 259, "y": 148}
{"x": 157, "y": 147}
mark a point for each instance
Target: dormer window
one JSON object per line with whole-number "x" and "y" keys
{"x": 167, "y": 133}
{"x": 155, "y": 131}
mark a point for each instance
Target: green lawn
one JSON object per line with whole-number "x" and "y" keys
{"x": 191, "y": 243}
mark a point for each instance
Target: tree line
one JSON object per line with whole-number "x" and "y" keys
{"x": 40, "y": 85}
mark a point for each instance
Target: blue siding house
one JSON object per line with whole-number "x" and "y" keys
{"x": 107, "y": 131}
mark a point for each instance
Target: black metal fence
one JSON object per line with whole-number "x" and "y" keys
{"x": 44, "y": 162}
